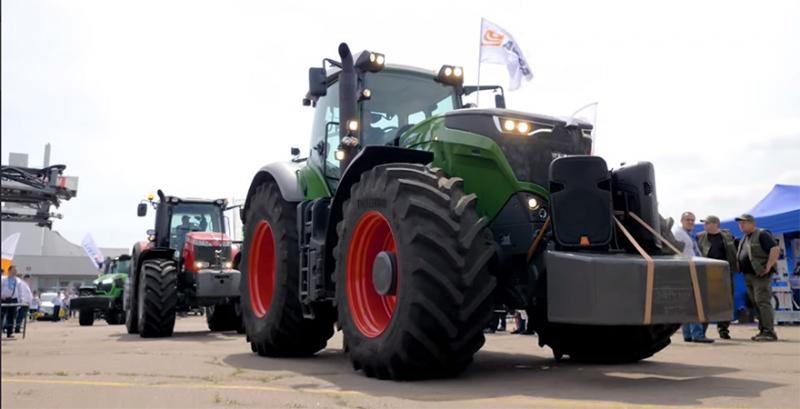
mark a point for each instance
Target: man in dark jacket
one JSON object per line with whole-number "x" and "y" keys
{"x": 757, "y": 255}
{"x": 720, "y": 245}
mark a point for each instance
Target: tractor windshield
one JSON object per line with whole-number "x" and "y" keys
{"x": 122, "y": 267}
{"x": 189, "y": 217}
{"x": 400, "y": 100}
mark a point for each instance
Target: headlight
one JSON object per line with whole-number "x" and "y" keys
{"x": 200, "y": 264}
{"x": 514, "y": 126}
{"x": 533, "y": 204}
{"x": 227, "y": 265}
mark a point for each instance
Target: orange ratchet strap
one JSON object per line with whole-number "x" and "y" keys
{"x": 648, "y": 300}
{"x": 701, "y": 315}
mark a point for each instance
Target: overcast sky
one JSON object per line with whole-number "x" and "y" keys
{"x": 193, "y": 97}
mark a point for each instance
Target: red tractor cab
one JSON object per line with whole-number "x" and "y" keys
{"x": 188, "y": 262}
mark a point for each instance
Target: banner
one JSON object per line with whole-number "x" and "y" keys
{"x": 499, "y": 47}
{"x": 92, "y": 251}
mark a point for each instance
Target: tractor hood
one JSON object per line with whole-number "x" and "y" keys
{"x": 529, "y": 153}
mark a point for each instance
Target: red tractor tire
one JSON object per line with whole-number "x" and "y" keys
{"x": 413, "y": 284}
{"x": 273, "y": 318}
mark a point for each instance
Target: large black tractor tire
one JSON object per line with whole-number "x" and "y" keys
{"x": 115, "y": 317}
{"x": 132, "y": 313}
{"x": 222, "y": 317}
{"x": 86, "y": 317}
{"x": 157, "y": 297}
{"x": 271, "y": 311}
{"x": 426, "y": 232}
{"x": 616, "y": 344}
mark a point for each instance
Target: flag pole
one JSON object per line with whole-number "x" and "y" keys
{"x": 480, "y": 51}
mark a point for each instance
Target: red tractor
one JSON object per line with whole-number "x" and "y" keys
{"x": 188, "y": 262}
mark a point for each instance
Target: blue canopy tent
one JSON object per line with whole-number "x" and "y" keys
{"x": 778, "y": 212}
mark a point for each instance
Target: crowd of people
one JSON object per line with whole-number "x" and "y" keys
{"x": 20, "y": 301}
{"x": 755, "y": 256}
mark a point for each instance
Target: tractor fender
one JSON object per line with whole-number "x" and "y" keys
{"x": 284, "y": 174}
{"x": 369, "y": 157}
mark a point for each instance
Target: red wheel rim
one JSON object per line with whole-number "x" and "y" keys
{"x": 370, "y": 310}
{"x": 261, "y": 265}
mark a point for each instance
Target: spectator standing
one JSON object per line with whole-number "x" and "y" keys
{"x": 757, "y": 254}
{"x": 34, "y": 308}
{"x": 692, "y": 332}
{"x": 57, "y": 307}
{"x": 71, "y": 296}
{"x": 719, "y": 244}
{"x": 25, "y": 298}
{"x": 10, "y": 295}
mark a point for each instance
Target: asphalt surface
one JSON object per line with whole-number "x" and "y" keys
{"x": 62, "y": 365}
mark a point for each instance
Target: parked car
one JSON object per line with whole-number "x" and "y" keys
{"x": 46, "y": 308}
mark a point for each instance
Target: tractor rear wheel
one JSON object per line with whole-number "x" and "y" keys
{"x": 86, "y": 317}
{"x": 222, "y": 317}
{"x": 271, "y": 310}
{"x": 157, "y": 297}
{"x": 413, "y": 288}
{"x": 615, "y": 344}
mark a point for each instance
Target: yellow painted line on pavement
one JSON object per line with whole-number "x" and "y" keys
{"x": 515, "y": 400}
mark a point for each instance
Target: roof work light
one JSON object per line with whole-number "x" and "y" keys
{"x": 451, "y": 75}
{"x": 370, "y": 61}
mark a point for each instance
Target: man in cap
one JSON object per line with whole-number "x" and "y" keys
{"x": 720, "y": 245}
{"x": 757, "y": 254}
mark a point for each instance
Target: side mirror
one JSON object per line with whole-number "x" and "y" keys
{"x": 317, "y": 82}
{"x": 295, "y": 151}
{"x": 499, "y": 101}
{"x": 141, "y": 210}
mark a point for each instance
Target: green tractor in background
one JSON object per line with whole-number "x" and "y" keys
{"x": 414, "y": 216}
{"x": 104, "y": 298}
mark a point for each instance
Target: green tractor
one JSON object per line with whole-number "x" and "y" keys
{"x": 415, "y": 216}
{"x": 104, "y": 298}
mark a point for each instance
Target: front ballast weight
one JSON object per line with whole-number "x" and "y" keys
{"x": 590, "y": 283}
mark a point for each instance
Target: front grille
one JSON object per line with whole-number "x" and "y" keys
{"x": 207, "y": 254}
{"x": 529, "y": 156}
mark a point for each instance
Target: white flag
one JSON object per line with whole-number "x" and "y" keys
{"x": 92, "y": 250}
{"x": 9, "y": 247}
{"x": 499, "y": 47}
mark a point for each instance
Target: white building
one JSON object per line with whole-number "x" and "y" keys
{"x": 52, "y": 261}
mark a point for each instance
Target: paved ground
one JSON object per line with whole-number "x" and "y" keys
{"x": 62, "y": 365}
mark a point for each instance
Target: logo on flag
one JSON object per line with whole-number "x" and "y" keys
{"x": 499, "y": 47}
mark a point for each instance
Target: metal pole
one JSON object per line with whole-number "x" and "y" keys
{"x": 480, "y": 52}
